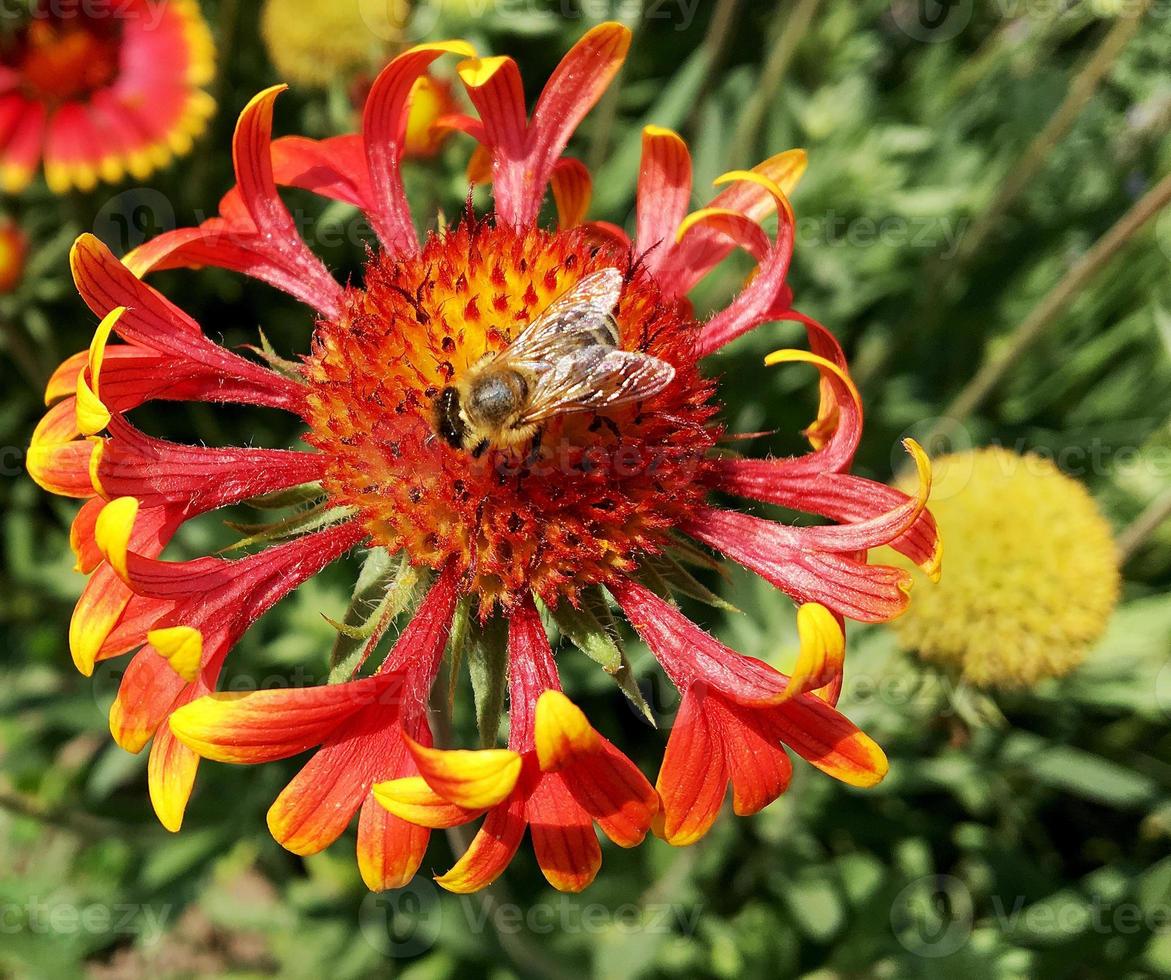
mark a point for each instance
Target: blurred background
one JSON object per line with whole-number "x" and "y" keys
{"x": 982, "y": 224}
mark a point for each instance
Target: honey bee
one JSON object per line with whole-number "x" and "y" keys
{"x": 566, "y": 360}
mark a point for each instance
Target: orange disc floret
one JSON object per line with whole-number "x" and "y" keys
{"x": 574, "y": 510}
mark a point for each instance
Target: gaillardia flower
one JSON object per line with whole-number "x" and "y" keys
{"x": 100, "y": 91}
{"x": 1033, "y": 585}
{"x": 515, "y": 414}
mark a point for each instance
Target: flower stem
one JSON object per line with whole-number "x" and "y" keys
{"x": 1136, "y": 534}
{"x": 1084, "y": 84}
{"x": 1054, "y": 303}
{"x": 782, "y": 48}
{"x": 715, "y": 45}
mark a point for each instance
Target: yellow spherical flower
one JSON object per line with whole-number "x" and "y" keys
{"x": 312, "y": 42}
{"x": 1032, "y": 573}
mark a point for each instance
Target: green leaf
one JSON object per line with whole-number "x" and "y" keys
{"x": 456, "y": 642}
{"x": 593, "y": 630}
{"x": 487, "y": 656}
{"x": 1081, "y": 773}
{"x": 385, "y": 587}
{"x": 312, "y": 519}
{"x": 293, "y": 497}
{"x": 282, "y": 365}
{"x": 679, "y": 580}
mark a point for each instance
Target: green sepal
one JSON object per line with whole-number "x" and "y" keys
{"x": 282, "y": 365}
{"x": 386, "y": 585}
{"x": 311, "y": 519}
{"x": 456, "y": 643}
{"x": 293, "y": 497}
{"x": 594, "y": 631}
{"x": 486, "y": 648}
{"x": 677, "y": 579}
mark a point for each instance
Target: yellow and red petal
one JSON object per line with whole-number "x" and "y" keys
{"x": 778, "y": 553}
{"x": 316, "y": 807}
{"x": 664, "y": 195}
{"x": 149, "y": 691}
{"x": 260, "y": 726}
{"x": 81, "y": 536}
{"x": 412, "y": 799}
{"x": 562, "y": 732}
{"x": 390, "y": 850}
{"x": 693, "y": 778}
{"x": 22, "y": 130}
{"x": 688, "y": 654}
{"x": 153, "y": 322}
{"x": 384, "y": 127}
{"x": 822, "y": 652}
{"x": 563, "y": 835}
{"x": 524, "y": 154}
{"x": 181, "y": 647}
{"x": 826, "y": 738}
{"x": 613, "y": 791}
{"x": 430, "y": 101}
{"x": 572, "y": 187}
{"x": 474, "y": 779}
{"x": 58, "y": 460}
{"x": 491, "y": 849}
{"x": 758, "y": 766}
{"x": 171, "y": 772}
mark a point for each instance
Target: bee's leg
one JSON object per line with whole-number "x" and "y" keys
{"x": 535, "y": 447}
{"x": 481, "y": 447}
{"x": 610, "y": 424}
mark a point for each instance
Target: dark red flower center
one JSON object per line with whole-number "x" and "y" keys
{"x": 64, "y": 56}
{"x": 601, "y": 489}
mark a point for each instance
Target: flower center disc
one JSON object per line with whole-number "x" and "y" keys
{"x": 603, "y": 486}
{"x": 64, "y": 58}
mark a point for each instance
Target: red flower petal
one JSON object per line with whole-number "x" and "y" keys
{"x": 563, "y": 836}
{"x": 384, "y": 126}
{"x": 783, "y": 556}
{"x": 154, "y": 322}
{"x": 693, "y": 778}
{"x": 572, "y": 187}
{"x": 664, "y": 195}
{"x": 491, "y": 849}
{"x": 688, "y": 654}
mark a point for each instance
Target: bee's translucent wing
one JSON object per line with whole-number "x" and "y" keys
{"x": 594, "y": 378}
{"x": 580, "y": 317}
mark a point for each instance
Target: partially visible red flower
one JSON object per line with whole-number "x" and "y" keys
{"x": 13, "y": 248}
{"x": 359, "y": 727}
{"x": 100, "y": 91}
{"x": 569, "y": 777}
{"x": 611, "y": 493}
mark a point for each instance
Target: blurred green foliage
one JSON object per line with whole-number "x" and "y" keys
{"x": 1037, "y": 848}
